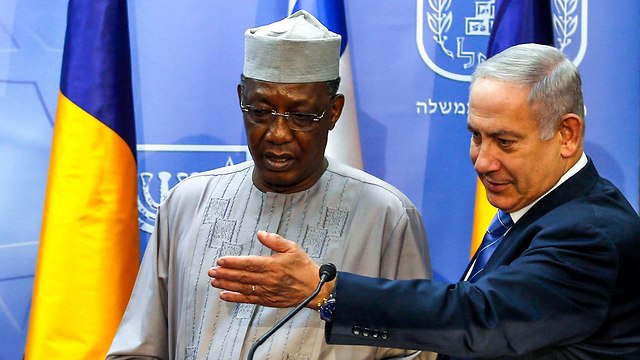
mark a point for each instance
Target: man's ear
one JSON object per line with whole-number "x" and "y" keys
{"x": 336, "y": 110}
{"x": 571, "y": 130}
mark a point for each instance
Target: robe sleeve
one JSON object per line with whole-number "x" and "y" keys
{"x": 142, "y": 333}
{"x": 406, "y": 252}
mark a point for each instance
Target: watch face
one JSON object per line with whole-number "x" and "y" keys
{"x": 326, "y": 310}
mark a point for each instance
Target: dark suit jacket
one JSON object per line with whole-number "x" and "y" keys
{"x": 563, "y": 284}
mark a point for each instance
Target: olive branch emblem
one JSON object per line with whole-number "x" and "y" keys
{"x": 439, "y": 22}
{"x": 564, "y": 22}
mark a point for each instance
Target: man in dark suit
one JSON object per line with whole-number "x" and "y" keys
{"x": 557, "y": 276}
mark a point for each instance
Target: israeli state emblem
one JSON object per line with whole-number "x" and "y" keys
{"x": 452, "y": 36}
{"x": 163, "y": 166}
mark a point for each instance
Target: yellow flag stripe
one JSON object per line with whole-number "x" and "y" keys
{"x": 89, "y": 251}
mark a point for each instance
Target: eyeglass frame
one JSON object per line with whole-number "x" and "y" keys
{"x": 286, "y": 115}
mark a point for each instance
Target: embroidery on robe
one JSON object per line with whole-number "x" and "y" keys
{"x": 222, "y": 232}
{"x": 297, "y": 357}
{"x": 190, "y": 353}
{"x": 334, "y": 221}
{"x": 216, "y": 208}
{"x": 314, "y": 241}
{"x": 243, "y": 311}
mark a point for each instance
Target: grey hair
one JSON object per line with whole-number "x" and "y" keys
{"x": 556, "y": 87}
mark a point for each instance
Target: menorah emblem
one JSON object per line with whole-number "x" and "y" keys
{"x": 147, "y": 209}
{"x": 154, "y": 186}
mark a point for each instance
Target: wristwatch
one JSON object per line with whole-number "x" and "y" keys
{"x": 327, "y": 307}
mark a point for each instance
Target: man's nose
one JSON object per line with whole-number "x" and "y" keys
{"x": 279, "y": 131}
{"x": 484, "y": 159}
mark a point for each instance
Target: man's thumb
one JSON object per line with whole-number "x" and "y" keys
{"x": 275, "y": 242}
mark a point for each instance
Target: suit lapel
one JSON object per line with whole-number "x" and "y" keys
{"x": 515, "y": 242}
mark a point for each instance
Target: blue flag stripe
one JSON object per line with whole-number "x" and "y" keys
{"x": 331, "y": 13}
{"x": 96, "y": 66}
{"x": 518, "y": 22}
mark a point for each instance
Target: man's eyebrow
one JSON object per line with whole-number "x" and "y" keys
{"x": 499, "y": 133}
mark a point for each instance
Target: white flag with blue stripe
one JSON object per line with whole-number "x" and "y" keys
{"x": 344, "y": 139}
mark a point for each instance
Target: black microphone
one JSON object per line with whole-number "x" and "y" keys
{"x": 327, "y": 273}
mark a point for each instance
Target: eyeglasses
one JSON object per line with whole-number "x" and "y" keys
{"x": 297, "y": 121}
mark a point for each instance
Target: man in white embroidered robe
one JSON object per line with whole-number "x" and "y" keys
{"x": 337, "y": 213}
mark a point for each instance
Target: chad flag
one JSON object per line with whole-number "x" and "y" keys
{"x": 516, "y": 22}
{"x": 89, "y": 252}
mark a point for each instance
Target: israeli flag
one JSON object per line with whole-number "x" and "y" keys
{"x": 344, "y": 139}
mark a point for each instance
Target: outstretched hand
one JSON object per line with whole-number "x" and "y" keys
{"x": 283, "y": 279}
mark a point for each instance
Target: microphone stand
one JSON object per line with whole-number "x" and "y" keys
{"x": 327, "y": 273}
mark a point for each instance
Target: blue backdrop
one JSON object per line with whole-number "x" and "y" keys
{"x": 410, "y": 85}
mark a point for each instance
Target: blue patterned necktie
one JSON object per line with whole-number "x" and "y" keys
{"x": 499, "y": 226}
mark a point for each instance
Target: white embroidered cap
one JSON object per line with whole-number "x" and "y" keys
{"x": 297, "y": 49}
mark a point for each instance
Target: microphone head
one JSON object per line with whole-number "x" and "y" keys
{"x": 329, "y": 271}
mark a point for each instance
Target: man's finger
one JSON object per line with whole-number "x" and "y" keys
{"x": 258, "y": 299}
{"x": 275, "y": 242}
{"x": 251, "y": 263}
{"x": 237, "y": 276}
{"x": 236, "y": 297}
{"x": 234, "y": 286}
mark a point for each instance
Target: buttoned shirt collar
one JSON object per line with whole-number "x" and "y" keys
{"x": 517, "y": 215}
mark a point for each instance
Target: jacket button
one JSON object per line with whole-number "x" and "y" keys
{"x": 375, "y": 333}
{"x": 384, "y": 335}
{"x": 366, "y": 332}
{"x": 356, "y": 330}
